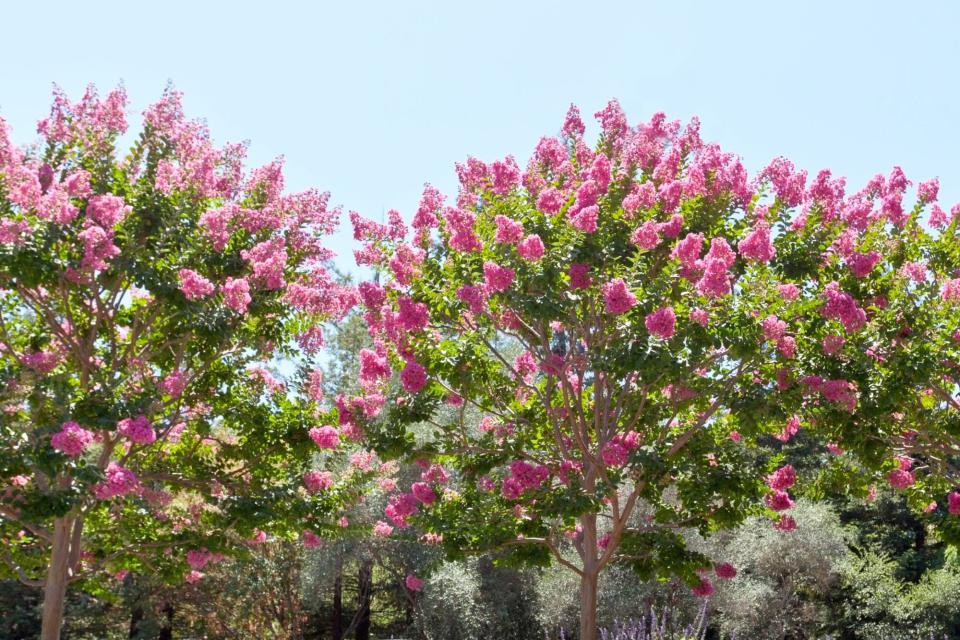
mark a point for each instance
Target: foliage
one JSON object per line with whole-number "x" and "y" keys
{"x": 145, "y": 297}
{"x": 649, "y": 370}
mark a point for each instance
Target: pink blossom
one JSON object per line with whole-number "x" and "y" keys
{"x": 506, "y": 175}
{"x": 413, "y": 583}
{"x": 861, "y": 264}
{"x": 572, "y": 124}
{"x": 704, "y": 589}
{"x": 843, "y": 307}
{"x": 661, "y": 323}
{"x": 647, "y": 235}
{"x": 310, "y": 539}
{"x": 953, "y": 503}
{"x": 117, "y": 481}
{"x": 193, "y": 576}
{"x": 430, "y": 203}
{"x": 72, "y": 439}
{"x": 325, "y": 437}
{"x": 497, "y": 278}
{"x": 198, "y": 558}
{"x": 700, "y": 316}
{"x": 787, "y": 185}
{"x": 778, "y": 500}
{"x": 414, "y": 316}
{"x": 584, "y": 219}
{"x": 735, "y": 436}
{"x": 725, "y": 570}
{"x": 834, "y": 448}
{"x": 236, "y": 294}
{"x": 785, "y": 523}
{"x": 617, "y": 297}
{"x": 782, "y": 479}
{"x": 98, "y": 247}
{"x": 268, "y": 260}
{"x": 927, "y": 191}
{"x": 373, "y": 366}
{"x": 138, "y": 430}
{"x": 788, "y": 291}
{"x": 715, "y": 281}
{"x": 107, "y": 210}
{"x": 756, "y": 246}
{"x": 900, "y": 478}
{"x": 688, "y": 249}
{"x": 509, "y": 231}
{"x": 550, "y": 201}
{"x": 579, "y": 276}
{"x": 400, "y": 507}
{"x": 317, "y": 481}
{"x": 194, "y": 286}
{"x": 413, "y": 377}
{"x": 614, "y": 454}
{"x": 671, "y": 229}
{"x": 531, "y": 248}
{"x": 832, "y": 343}
{"x": 423, "y": 492}
{"x": 174, "y": 384}
{"x": 951, "y": 290}
{"x": 790, "y": 430}
{"x": 381, "y": 529}
{"x": 773, "y": 328}
{"x": 474, "y": 296}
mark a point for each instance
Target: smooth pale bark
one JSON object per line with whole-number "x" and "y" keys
{"x": 55, "y": 587}
{"x": 589, "y": 577}
{"x": 588, "y": 607}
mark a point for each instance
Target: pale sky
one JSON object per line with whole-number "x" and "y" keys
{"x": 372, "y": 99}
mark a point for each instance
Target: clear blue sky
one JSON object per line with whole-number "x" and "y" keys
{"x": 371, "y": 99}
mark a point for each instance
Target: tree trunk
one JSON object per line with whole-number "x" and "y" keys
{"x": 336, "y": 623}
{"x": 589, "y": 579}
{"x": 55, "y": 587}
{"x": 364, "y": 589}
{"x": 588, "y": 607}
{"x": 166, "y": 631}
{"x": 136, "y": 617}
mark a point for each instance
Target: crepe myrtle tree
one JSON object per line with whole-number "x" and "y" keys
{"x": 143, "y": 298}
{"x": 629, "y": 319}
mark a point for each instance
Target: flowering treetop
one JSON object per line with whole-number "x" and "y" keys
{"x": 626, "y": 318}
{"x": 144, "y": 298}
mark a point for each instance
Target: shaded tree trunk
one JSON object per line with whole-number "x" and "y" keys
{"x": 136, "y": 617}
{"x": 589, "y": 578}
{"x": 166, "y": 631}
{"x": 364, "y": 589}
{"x": 336, "y": 623}
{"x": 55, "y": 587}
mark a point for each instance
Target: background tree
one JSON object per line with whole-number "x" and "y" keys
{"x": 145, "y": 297}
{"x": 669, "y": 310}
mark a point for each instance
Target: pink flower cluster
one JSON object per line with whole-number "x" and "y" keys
{"x": 617, "y": 297}
{"x": 118, "y": 481}
{"x": 194, "y": 286}
{"x": 174, "y": 384}
{"x": 236, "y": 294}
{"x": 523, "y": 476}
{"x": 72, "y": 439}
{"x": 661, "y": 323}
{"x": 841, "y": 306}
{"x": 413, "y": 377}
{"x": 317, "y": 481}
{"x": 400, "y": 507}
{"x": 325, "y": 437}
{"x": 137, "y": 430}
